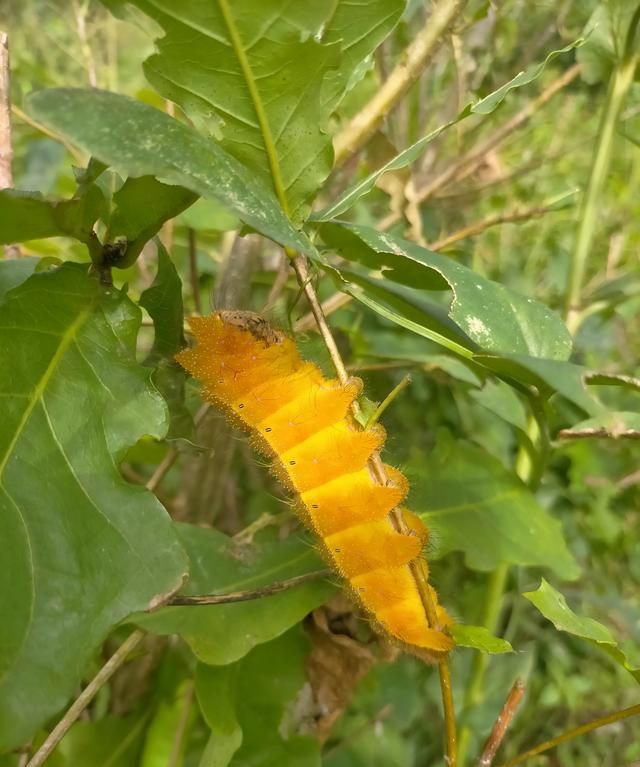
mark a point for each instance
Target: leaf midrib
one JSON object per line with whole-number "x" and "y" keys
{"x": 261, "y": 114}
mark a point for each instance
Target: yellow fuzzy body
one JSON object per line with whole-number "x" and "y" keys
{"x": 302, "y": 420}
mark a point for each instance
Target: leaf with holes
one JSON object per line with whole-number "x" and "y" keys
{"x": 82, "y": 548}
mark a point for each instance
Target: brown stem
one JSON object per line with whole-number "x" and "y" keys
{"x": 477, "y": 227}
{"x": 413, "y": 62}
{"x": 245, "y": 596}
{"x": 602, "y": 721}
{"x": 85, "y": 697}
{"x": 6, "y": 146}
{"x": 502, "y": 724}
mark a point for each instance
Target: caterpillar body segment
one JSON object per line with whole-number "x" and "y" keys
{"x": 302, "y": 420}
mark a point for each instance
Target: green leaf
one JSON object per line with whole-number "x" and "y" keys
{"x": 163, "y": 301}
{"x": 253, "y": 75}
{"x": 409, "y": 155}
{"x": 502, "y": 401}
{"x": 83, "y": 548}
{"x": 220, "y": 634}
{"x": 403, "y": 306}
{"x": 358, "y": 28}
{"x": 548, "y": 376}
{"x": 28, "y": 216}
{"x": 173, "y": 713}
{"x": 554, "y": 607}
{"x": 494, "y": 317}
{"x": 138, "y": 140}
{"x": 108, "y": 742}
{"x": 479, "y": 638}
{"x": 15, "y": 272}
{"x": 142, "y": 205}
{"x": 258, "y": 696}
{"x": 490, "y": 515}
{"x": 216, "y": 687}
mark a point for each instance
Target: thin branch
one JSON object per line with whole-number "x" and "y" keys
{"x": 85, "y": 697}
{"x": 232, "y": 597}
{"x": 329, "y": 306}
{"x": 6, "y": 147}
{"x": 414, "y": 60}
{"x": 477, "y": 227}
{"x": 602, "y": 721}
{"x": 418, "y": 567}
{"x": 502, "y": 724}
{"x": 599, "y": 433}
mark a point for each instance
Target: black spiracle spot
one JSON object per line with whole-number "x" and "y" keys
{"x": 240, "y": 406}
{"x": 268, "y": 428}
{"x": 292, "y": 463}
{"x": 315, "y": 506}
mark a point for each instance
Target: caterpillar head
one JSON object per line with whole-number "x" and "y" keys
{"x": 254, "y": 324}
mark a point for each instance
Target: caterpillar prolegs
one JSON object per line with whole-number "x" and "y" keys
{"x": 302, "y": 421}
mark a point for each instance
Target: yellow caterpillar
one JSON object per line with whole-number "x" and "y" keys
{"x": 302, "y": 421}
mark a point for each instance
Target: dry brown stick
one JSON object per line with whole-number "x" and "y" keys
{"x": 6, "y": 147}
{"x": 85, "y": 697}
{"x": 477, "y": 227}
{"x": 331, "y": 305}
{"x": 245, "y": 596}
{"x": 502, "y": 724}
{"x": 414, "y": 60}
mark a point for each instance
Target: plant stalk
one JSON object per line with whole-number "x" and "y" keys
{"x": 619, "y": 84}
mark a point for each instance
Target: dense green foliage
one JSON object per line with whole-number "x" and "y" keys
{"x": 484, "y": 239}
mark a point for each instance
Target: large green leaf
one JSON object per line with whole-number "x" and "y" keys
{"x": 476, "y": 506}
{"x": 221, "y": 634}
{"x": 409, "y": 155}
{"x": 253, "y": 75}
{"x": 552, "y": 604}
{"x": 141, "y": 206}
{"x": 138, "y": 140}
{"x": 82, "y": 548}
{"x": 494, "y": 317}
{"x": 251, "y": 704}
{"x": 163, "y": 301}
{"x": 16, "y": 271}
{"x": 28, "y": 216}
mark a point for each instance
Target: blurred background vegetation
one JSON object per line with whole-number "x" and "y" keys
{"x": 511, "y": 213}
